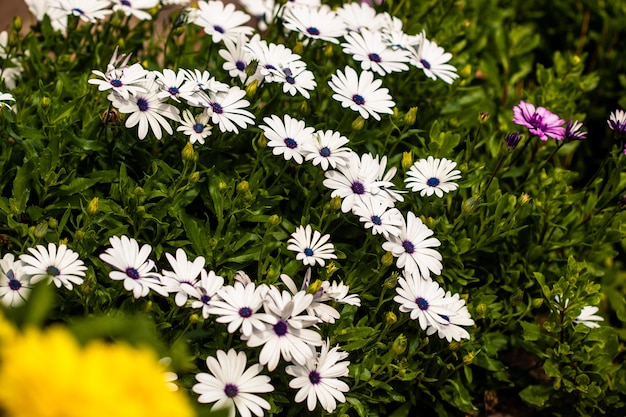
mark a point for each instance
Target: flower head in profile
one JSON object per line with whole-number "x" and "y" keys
{"x": 4, "y": 97}
{"x": 361, "y": 93}
{"x": 311, "y": 247}
{"x": 229, "y": 384}
{"x": 588, "y": 317}
{"x": 433, "y": 176}
{"x": 573, "y": 131}
{"x": 136, "y": 8}
{"x": 317, "y": 380}
{"x": 14, "y": 282}
{"x": 617, "y": 121}
{"x": 132, "y": 266}
{"x": 540, "y": 122}
{"x": 414, "y": 248}
{"x": 287, "y": 136}
{"x": 59, "y": 265}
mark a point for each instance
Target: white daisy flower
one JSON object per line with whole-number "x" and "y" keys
{"x": 236, "y": 57}
{"x": 361, "y": 93}
{"x": 289, "y": 337}
{"x": 204, "y": 81}
{"x": 60, "y": 266}
{"x": 146, "y": 110}
{"x": 588, "y": 317}
{"x": 183, "y": 279}
{"x": 133, "y": 266}
{"x": 197, "y": 128}
{"x": 14, "y": 282}
{"x": 355, "y": 181}
{"x": 369, "y": 48}
{"x": 315, "y": 22}
{"x": 617, "y": 121}
{"x": 287, "y": 137}
{"x": 432, "y": 176}
{"x": 387, "y": 192}
{"x": 4, "y": 97}
{"x": 451, "y": 328}
{"x": 175, "y": 2}
{"x": 227, "y": 109}
{"x": 311, "y": 247}
{"x": 174, "y": 85}
{"x": 424, "y": 299}
{"x": 338, "y": 292}
{"x": 318, "y": 379}
{"x": 357, "y": 16}
{"x": 230, "y": 385}
{"x": 375, "y": 214}
{"x": 395, "y": 37}
{"x": 240, "y": 307}
{"x": 222, "y": 21}
{"x": 431, "y": 59}
{"x": 414, "y": 248}
{"x": 317, "y": 308}
{"x": 125, "y": 81}
{"x": 207, "y": 291}
{"x": 269, "y": 57}
{"x": 135, "y": 8}
{"x": 295, "y": 78}
{"x": 264, "y": 10}
{"x": 86, "y": 10}
{"x": 327, "y": 150}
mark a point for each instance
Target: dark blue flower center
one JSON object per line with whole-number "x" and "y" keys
{"x": 132, "y": 273}
{"x": 376, "y": 220}
{"x": 446, "y": 318}
{"x": 408, "y": 247}
{"x": 270, "y": 67}
{"x": 231, "y": 390}
{"x": 433, "y": 182}
{"x": 280, "y": 328}
{"x": 374, "y": 58}
{"x": 205, "y": 298}
{"x": 143, "y": 104}
{"x": 325, "y": 152}
{"x": 290, "y": 143}
{"x": 358, "y": 187}
{"x": 173, "y": 91}
{"x": 425, "y": 64}
{"x": 308, "y": 252}
{"x": 240, "y": 65}
{"x": 290, "y": 80}
{"x": 245, "y": 312}
{"x": 126, "y": 3}
{"x": 217, "y": 108}
{"x": 313, "y": 31}
{"x": 358, "y": 99}
{"x": 314, "y": 377}
{"x": 53, "y": 271}
{"x": 116, "y": 83}
{"x": 199, "y": 127}
{"x": 13, "y": 283}
{"x": 77, "y": 10}
{"x": 422, "y": 304}
{"x": 218, "y": 28}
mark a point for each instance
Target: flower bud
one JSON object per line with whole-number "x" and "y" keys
{"x": 45, "y": 102}
{"x": 335, "y": 203}
{"x": 454, "y": 346}
{"x": 358, "y": 123}
{"x": 391, "y": 281}
{"x": 391, "y": 318}
{"x": 387, "y": 260}
{"x": 395, "y": 113}
{"x": 93, "y": 206}
{"x": 512, "y": 139}
{"x": 243, "y": 187}
{"x": 251, "y": 88}
{"x": 304, "y": 107}
{"x": 410, "y": 116}
{"x": 469, "y": 358}
{"x": 298, "y": 48}
{"x": 188, "y": 153}
{"x": 79, "y": 235}
{"x": 517, "y": 297}
{"x": 222, "y": 185}
{"x": 111, "y": 117}
{"x": 469, "y": 205}
{"x": 466, "y": 71}
{"x": 194, "y": 177}
{"x": 621, "y": 203}
{"x": 17, "y": 23}
{"x": 524, "y": 198}
{"x": 481, "y": 309}
{"x": 53, "y": 223}
{"x": 314, "y": 287}
{"x": 331, "y": 268}
{"x": 14, "y": 39}
{"x": 41, "y": 230}
{"x": 89, "y": 283}
{"x": 194, "y": 318}
{"x": 483, "y": 117}
{"x": 148, "y": 306}
{"x": 537, "y": 302}
{"x": 262, "y": 141}
{"x": 399, "y": 345}
{"x": 328, "y": 51}
{"x": 407, "y": 160}
{"x": 273, "y": 220}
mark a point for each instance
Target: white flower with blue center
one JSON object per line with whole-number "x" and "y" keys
{"x": 287, "y": 136}
{"x": 196, "y": 127}
{"x": 314, "y": 22}
{"x": 15, "y": 284}
{"x": 327, "y": 149}
{"x": 432, "y": 176}
{"x": 207, "y": 291}
{"x": 136, "y": 8}
{"x": 183, "y": 278}
{"x": 59, "y": 265}
{"x": 432, "y": 59}
{"x": 588, "y": 317}
{"x": 311, "y": 247}
{"x": 86, "y": 10}
{"x": 425, "y": 300}
{"x": 222, "y": 21}
{"x": 374, "y": 53}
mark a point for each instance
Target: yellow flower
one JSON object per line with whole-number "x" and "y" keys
{"x": 48, "y": 374}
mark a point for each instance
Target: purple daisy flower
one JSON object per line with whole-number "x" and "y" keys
{"x": 540, "y": 122}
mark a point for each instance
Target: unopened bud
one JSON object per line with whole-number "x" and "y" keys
{"x": 304, "y": 107}
{"x": 188, "y": 153}
{"x": 387, "y": 259}
{"x": 194, "y": 318}
{"x": 454, "y": 346}
{"x": 41, "y": 230}
{"x": 512, "y": 139}
{"x": 328, "y": 51}
{"x": 335, "y": 203}
{"x": 314, "y": 287}
{"x": 524, "y": 198}
{"x": 391, "y": 318}
{"x": 251, "y": 88}
{"x": 481, "y": 309}
{"x": 469, "y": 358}
{"x": 243, "y": 187}
{"x": 138, "y": 191}
{"x": 466, "y": 71}
{"x": 148, "y": 306}
{"x": 79, "y": 235}
{"x": 407, "y": 160}
{"x": 93, "y": 206}
{"x": 222, "y": 185}
{"x": 395, "y": 113}
{"x": 331, "y": 268}
{"x": 298, "y": 48}
{"x": 17, "y": 23}
{"x": 262, "y": 141}
{"x": 469, "y": 205}
{"x": 45, "y": 102}
{"x": 273, "y": 220}
{"x": 483, "y": 117}
{"x": 399, "y": 345}
{"x": 358, "y": 123}
{"x": 194, "y": 177}
{"x": 392, "y": 281}
{"x": 53, "y": 223}
{"x": 410, "y": 116}
{"x": 537, "y": 302}
{"x": 517, "y": 297}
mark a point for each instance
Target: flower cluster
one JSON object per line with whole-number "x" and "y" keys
{"x": 544, "y": 124}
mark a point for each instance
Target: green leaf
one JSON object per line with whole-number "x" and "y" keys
{"x": 537, "y": 395}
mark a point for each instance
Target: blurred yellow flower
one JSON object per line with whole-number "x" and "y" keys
{"x": 48, "y": 374}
